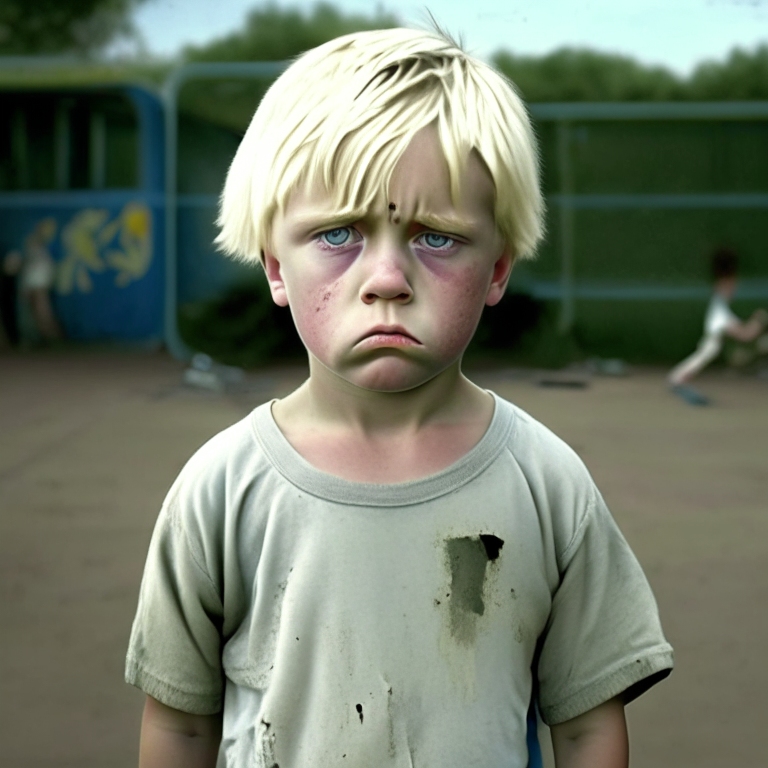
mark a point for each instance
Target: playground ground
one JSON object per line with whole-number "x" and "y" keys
{"x": 92, "y": 440}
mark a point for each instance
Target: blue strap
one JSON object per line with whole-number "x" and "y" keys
{"x": 532, "y": 739}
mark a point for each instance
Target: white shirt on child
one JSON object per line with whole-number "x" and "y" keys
{"x": 718, "y": 317}
{"x": 358, "y": 625}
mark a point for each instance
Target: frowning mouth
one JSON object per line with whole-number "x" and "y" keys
{"x": 387, "y": 336}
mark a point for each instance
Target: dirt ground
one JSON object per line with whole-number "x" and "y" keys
{"x": 92, "y": 440}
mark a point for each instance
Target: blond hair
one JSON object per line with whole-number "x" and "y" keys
{"x": 342, "y": 115}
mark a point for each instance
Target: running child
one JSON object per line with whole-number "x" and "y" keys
{"x": 719, "y": 322}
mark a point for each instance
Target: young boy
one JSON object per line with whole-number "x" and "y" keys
{"x": 719, "y": 321}
{"x": 386, "y": 567}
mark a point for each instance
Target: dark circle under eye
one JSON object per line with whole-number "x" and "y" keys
{"x": 337, "y": 236}
{"x": 436, "y": 241}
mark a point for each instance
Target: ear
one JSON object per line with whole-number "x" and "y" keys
{"x": 501, "y": 271}
{"x": 275, "y": 279}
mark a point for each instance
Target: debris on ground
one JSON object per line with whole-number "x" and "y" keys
{"x": 607, "y": 366}
{"x": 566, "y": 379}
{"x": 204, "y": 372}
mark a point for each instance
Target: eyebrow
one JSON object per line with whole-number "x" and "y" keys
{"x": 313, "y": 221}
{"x": 444, "y": 223}
{"x": 317, "y": 221}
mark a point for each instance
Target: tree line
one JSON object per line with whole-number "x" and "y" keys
{"x": 270, "y": 33}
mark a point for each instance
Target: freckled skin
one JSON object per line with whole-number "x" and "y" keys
{"x": 465, "y": 290}
{"x": 388, "y": 274}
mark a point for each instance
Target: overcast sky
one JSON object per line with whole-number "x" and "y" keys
{"x": 675, "y": 33}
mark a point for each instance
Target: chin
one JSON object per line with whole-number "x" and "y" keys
{"x": 390, "y": 375}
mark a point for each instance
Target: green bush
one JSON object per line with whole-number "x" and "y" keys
{"x": 243, "y": 327}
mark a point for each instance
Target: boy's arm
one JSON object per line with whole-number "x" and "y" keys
{"x": 174, "y": 739}
{"x": 751, "y": 329}
{"x": 596, "y": 739}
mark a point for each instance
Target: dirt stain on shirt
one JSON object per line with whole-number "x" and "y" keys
{"x": 267, "y": 738}
{"x": 468, "y": 558}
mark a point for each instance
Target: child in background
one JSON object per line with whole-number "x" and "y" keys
{"x": 719, "y": 321}
{"x": 384, "y": 568}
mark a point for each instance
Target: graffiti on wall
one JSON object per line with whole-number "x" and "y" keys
{"x": 93, "y": 243}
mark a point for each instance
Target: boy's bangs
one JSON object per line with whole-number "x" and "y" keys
{"x": 354, "y": 156}
{"x": 341, "y": 117}
{"x": 353, "y": 161}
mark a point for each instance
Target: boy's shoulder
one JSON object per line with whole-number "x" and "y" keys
{"x": 216, "y": 471}
{"x": 253, "y": 445}
{"x": 228, "y": 447}
{"x": 555, "y": 478}
{"x": 537, "y": 449}
{"x": 251, "y": 456}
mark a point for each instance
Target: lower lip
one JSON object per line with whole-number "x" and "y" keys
{"x": 387, "y": 340}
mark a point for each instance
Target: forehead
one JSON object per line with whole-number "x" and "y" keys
{"x": 420, "y": 183}
{"x": 423, "y": 176}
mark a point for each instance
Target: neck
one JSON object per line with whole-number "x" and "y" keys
{"x": 330, "y": 399}
{"x": 725, "y": 288}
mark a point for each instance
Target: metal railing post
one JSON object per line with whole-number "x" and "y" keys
{"x": 171, "y": 88}
{"x": 567, "y": 301}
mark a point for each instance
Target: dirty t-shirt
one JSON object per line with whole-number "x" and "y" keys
{"x": 350, "y": 624}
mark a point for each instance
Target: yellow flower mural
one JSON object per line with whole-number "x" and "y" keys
{"x": 92, "y": 244}
{"x": 135, "y": 238}
{"x": 79, "y": 239}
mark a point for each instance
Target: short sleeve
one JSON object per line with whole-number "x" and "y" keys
{"x": 604, "y": 636}
{"x": 174, "y": 654}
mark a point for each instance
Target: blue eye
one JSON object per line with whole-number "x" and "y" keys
{"x": 431, "y": 240}
{"x": 336, "y": 236}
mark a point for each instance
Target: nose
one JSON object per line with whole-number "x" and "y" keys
{"x": 386, "y": 277}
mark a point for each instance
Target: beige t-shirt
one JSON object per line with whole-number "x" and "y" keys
{"x": 358, "y": 625}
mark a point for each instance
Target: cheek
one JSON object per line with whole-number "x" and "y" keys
{"x": 314, "y": 292}
{"x": 314, "y": 316}
{"x": 461, "y": 298}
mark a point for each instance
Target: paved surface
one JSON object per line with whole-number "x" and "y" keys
{"x": 91, "y": 442}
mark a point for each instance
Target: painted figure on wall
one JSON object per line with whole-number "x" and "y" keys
{"x": 36, "y": 273}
